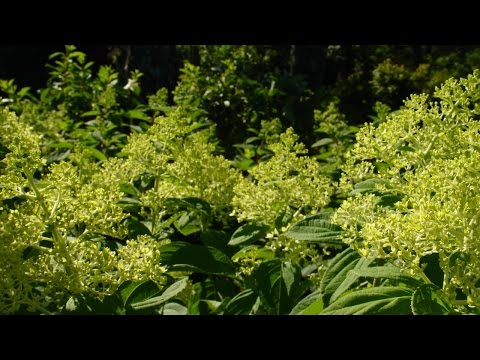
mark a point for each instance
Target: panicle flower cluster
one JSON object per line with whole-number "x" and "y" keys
{"x": 338, "y": 136}
{"x": 182, "y": 162}
{"x": 54, "y": 222}
{"x": 331, "y": 120}
{"x": 428, "y": 155}
{"x": 289, "y": 179}
{"x": 19, "y": 153}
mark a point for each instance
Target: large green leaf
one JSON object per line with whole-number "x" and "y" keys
{"x": 242, "y": 303}
{"x": 214, "y": 307}
{"x": 337, "y": 272}
{"x": 173, "y": 308}
{"x": 82, "y": 304}
{"x": 188, "y": 223}
{"x": 217, "y": 239}
{"x": 316, "y": 228}
{"x": 218, "y": 287}
{"x": 248, "y": 233}
{"x": 136, "y": 292}
{"x": 385, "y": 300}
{"x": 429, "y": 299}
{"x": 351, "y": 277}
{"x": 254, "y": 251}
{"x": 387, "y": 272}
{"x": 279, "y": 285}
{"x": 183, "y": 256}
{"x": 309, "y": 305}
{"x": 136, "y": 228}
{"x": 96, "y": 153}
{"x": 172, "y": 291}
{"x": 127, "y": 289}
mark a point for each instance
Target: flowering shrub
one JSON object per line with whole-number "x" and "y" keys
{"x": 56, "y": 228}
{"x": 414, "y": 188}
{"x": 136, "y": 212}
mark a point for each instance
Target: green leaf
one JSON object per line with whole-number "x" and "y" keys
{"x": 369, "y": 186}
{"x": 216, "y": 238}
{"x": 129, "y": 288}
{"x": 386, "y": 300}
{"x": 172, "y": 291}
{"x": 23, "y": 91}
{"x": 136, "y": 228}
{"x": 316, "y": 228}
{"x": 272, "y": 287}
{"x": 91, "y": 113}
{"x": 132, "y": 204}
{"x": 279, "y": 285}
{"x": 244, "y": 164}
{"x": 198, "y": 125}
{"x": 214, "y": 306}
{"x": 129, "y": 189}
{"x": 351, "y": 277}
{"x": 387, "y": 272}
{"x": 82, "y": 304}
{"x": 309, "y": 305}
{"x": 188, "y": 223}
{"x": 195, "y": 300}
{"x": 322, "y": 142}
{"x": 137, "y": 114}
{"x": 134, "y": 292}
{"x": 256, "y": 251}
{"x": 252, "y": 139}
{"x": 337, "y": 272}
{"x": 96, "y": 153}
{"x": 429, "y": 299}
{"x": 61, "y": 145}
{"x": 242, "y": 303}
{"x": 244, "y": 146}
{"x": 183, "y": 256}
{"x": 173, "y": 308}
{"x": 77, "y": 54}
{"x": 248, "y": 233}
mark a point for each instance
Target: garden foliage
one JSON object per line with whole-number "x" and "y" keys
{"x": 112, "y": 202}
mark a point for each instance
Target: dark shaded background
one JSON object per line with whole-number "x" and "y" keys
{"x": 26, "y": 63}
{"x": 344, "y": 74}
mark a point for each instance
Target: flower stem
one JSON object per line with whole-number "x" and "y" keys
{"x": 58, "y": 238}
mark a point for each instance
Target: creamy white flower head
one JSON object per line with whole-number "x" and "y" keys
{"x": 131, "y": 85}
{"x": 428, "y": 154}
